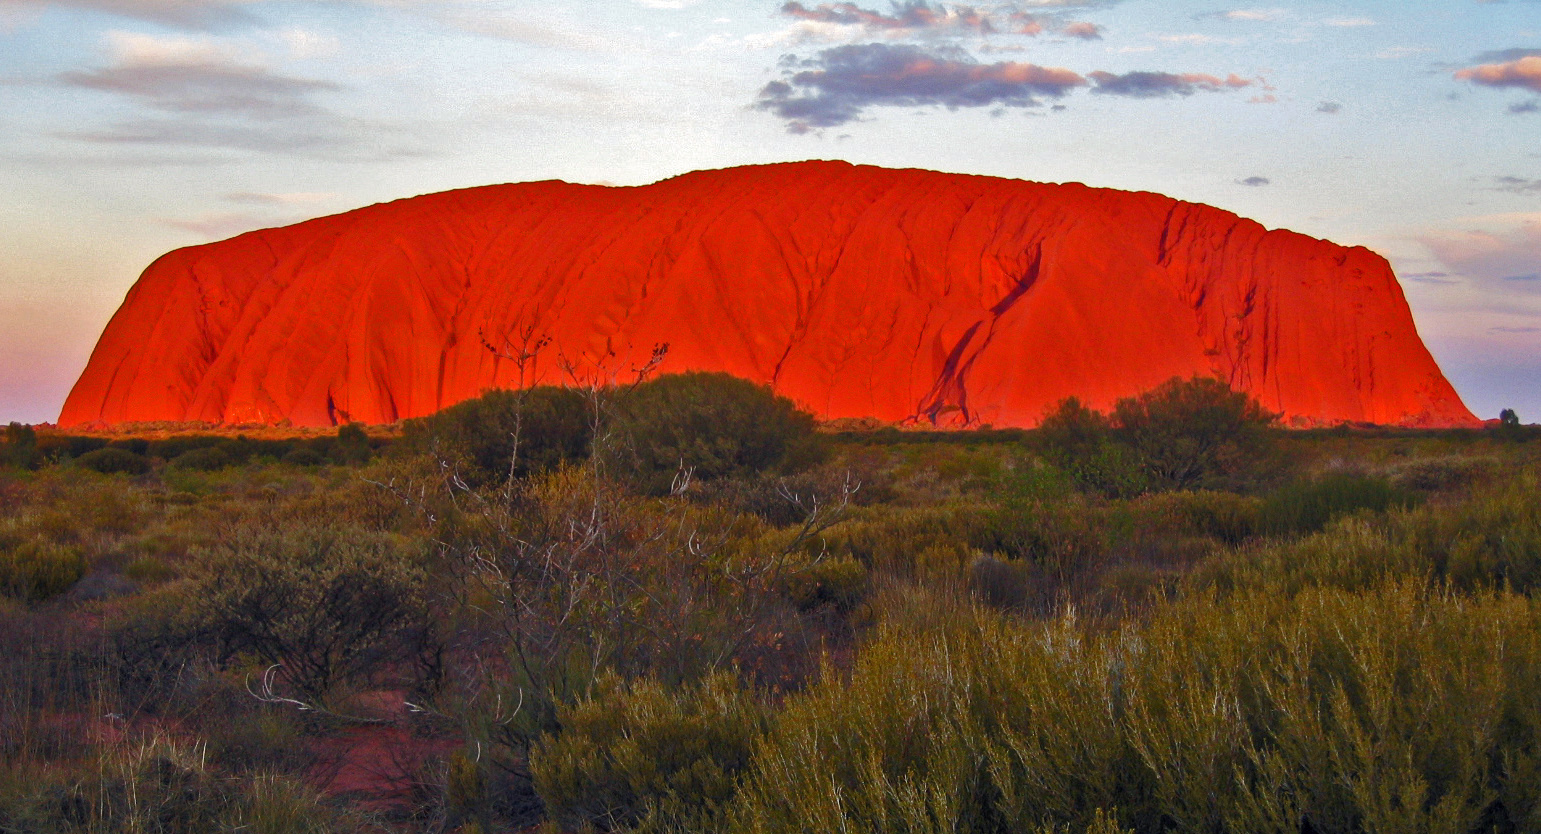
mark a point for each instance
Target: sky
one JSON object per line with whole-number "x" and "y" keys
{"x": 132, "y": 127}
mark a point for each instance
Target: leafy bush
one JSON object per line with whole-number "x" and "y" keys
{"x": 327, "y": 605}
{"x": 203, "y": 459}
{"x": 21, "y": 449}
{"x": 37, "y": 570}
{"x": 640, "y": 756}
{"x": 110, "y": 461}
{"x": 1187, "y": 431}
{"x": 712, "y": 425}
{"x": 1308, "y": 506}
{"x": 352, "y": 444}
{"x": 303, "y": 456}
{"x": 1182, "y": 434}
{"x": 503, "y": 433}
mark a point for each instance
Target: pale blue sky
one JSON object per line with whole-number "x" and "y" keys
{"x": 131, "y": 127}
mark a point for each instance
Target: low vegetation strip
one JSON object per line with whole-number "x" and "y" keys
{"x": 675, "y": 607}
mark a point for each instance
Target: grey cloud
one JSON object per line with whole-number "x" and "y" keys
{"x": 838, "y": 84}
{"x": 1522, "y": 329}
{"x": 206, "y": 87}
{"x": 1442, "y": 278}
{"x": 1523, "y": 107}
{"x": 1502, "y": 56}
{"x": 1254, "y": 181}
{"x": 1517, "y": 185}
{"x": 1329, "y": 107}
{"x": 1161, "y": 84}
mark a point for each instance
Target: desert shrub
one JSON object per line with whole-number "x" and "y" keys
{"x": 841, "y": 582}
{"x": 110, "y": 461}
{"x": 137, "y": 445}
{"x": 21, "y": 450}
{"x": 303, "y": 456}
{"x": 1308, "y": 506}
{"x": 171, "y": 447}
{"x": 1061, "y": 540}
{"x": 644, "y": 757}
{"x": 203, "y": 459}
{"x": 895, "y": 540}
{"x": 1493, "y": 537}
{"x": 1080, "y": 441}
{"x": 326, "y": 605}
{"x": 37, "y": 570}
{"x": 1393, "y": 709}
{"x": 352, "y": 444}
{"x": 712, "y": 425}
{"x": 1000, "y": 584}
{"x": 164, "y": 786}
{"x": 503, "y": 433}
{"x": 1186, "y": 432}
{"x": 1224, "y": 516}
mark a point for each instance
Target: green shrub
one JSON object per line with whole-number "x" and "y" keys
{"x": 1392, "y": 709}
{"x": 503, "y": 433}
{"x": 352, "y": 444}
{"x": 1186, "y": 432}
{"x": 303, "y": 456}
{"x": 203, "y": 459}
{"x": 840, "y": 582}
{"x": 327, "y": 605}
{"x": 643, "y": 757}
{"x": 110, "y": 461}
{"x": 21, "y": 450}
{"x": 1308, "y": 506}
{"x": 137, "y": 445}
{"x": 1080, "y": 442}
{"x": 37, "y": 570}
{"x": 711, "y": 425}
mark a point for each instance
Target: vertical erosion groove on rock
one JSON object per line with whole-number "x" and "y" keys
{"x": 857, "y": 291}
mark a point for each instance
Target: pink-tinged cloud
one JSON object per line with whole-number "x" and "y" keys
{"x": 1524, "y": 73}
{"x": 1083, "y": 30}
{"x": 1506, "y": 261}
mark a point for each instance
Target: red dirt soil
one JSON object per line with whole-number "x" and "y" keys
{"x": 901, "y": 295}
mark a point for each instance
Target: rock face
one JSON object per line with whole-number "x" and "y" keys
{"x": 857, "y": 291}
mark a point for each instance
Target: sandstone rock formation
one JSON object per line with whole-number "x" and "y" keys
{"x": 857, "y": 291}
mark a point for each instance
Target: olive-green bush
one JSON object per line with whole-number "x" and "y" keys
{"x": 508, "y": 433}
{"x": 111, "y": 461}
{"x": 710, "y": 425}
{"x": 1308, "y": 505}
{"x": 641, "y": 756}
{"x": 325, "y": 605}
{"x": 37, "y": 570}
{"x": 1392, "y": 709}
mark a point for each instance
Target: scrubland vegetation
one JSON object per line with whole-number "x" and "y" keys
{"x": 678, "y": 607}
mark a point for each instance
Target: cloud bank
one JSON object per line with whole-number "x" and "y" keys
{"x": 837, "y": 85}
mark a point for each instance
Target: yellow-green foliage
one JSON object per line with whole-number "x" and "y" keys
{"x": 646, "y": 757}
{"x": 1491, "y": 538}
{"x": 38, "y": 570}
{"x": 1393, "y": 709}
